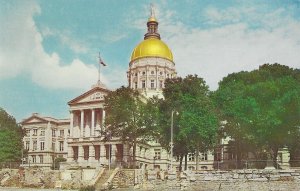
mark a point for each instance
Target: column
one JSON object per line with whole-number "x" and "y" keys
{"x": 147, "y": 71}
{"x": 138, "y": 79}
{"x": 81, "y": 123}
{"x": 80, "y": 153}
{"x": 91, "y": 153}
{"x": 48, "y": 137}
{"x": 30, "y": 140}
{"x": 71, "y": 123}
{"x": 103, "y": 118}
{"x": 113, "y": 153}
{"x": 125, "y": 152}
{"x": 131, "y": 78}
{"x": 157, "y": 81}
{"x": 93, "y": 123}
{"x": 103, "y": 159}
{"x": 70, "y": 154}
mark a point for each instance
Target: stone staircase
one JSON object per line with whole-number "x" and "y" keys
{"x": 100, "y": 184}
{"x": 123, "y": 179}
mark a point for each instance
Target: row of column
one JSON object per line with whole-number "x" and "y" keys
{"x": 82, "y": 125}
{"x": 91, "y": 155}
{"x": 147, "y": 78}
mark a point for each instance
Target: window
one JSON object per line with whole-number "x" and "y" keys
{"x": 160, "y": 73}
{"x": 204, "y": 156}
{"x": 135, "y": 85}
{"x": 152, "y": 72}
{"x": 41, "y": 159}
{"x": 144, "y": 73}
{"x": 33, "y": 159}
{"x": 61, "y": 133}
{"x": 61, "y": 146}
{"x": 42, "y": 133}
{"x": 86, "y": 152}
{"x": 27, "y": 145}
{"x": 135, "y": 74}
{"x": 143, "y": 84}
{"x": 191, "y": 156}
{"x": 152, "y": 84}
{"x": 34, "y": 145}
{"x": 53, "y": 146}
{"x": 157, "y": 153}
{"x": 42, "y": 146}
{"x": 27, "y": 132}
{"x": 161, "y": 84}
{"x": 34, "y": 132}
{"x": 53, "y": 132}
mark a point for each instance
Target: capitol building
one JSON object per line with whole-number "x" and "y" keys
{"x": 79, "y": 139}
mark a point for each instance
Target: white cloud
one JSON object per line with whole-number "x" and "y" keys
{"x": 21, "y": 51}
{"x": 214, "y": 52}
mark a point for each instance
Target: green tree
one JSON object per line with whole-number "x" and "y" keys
{"x": 10, "y": 138}
{"x": 129, "y": 116}
{"x": 261, "y": 108}
{"x": 195, "y": 127}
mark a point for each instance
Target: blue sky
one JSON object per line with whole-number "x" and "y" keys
{"x": 48, "y": 49}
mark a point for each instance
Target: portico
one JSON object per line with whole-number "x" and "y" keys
{"x": 88, "y": 144}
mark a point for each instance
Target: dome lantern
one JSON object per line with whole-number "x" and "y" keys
{"x": 152, "y": 46}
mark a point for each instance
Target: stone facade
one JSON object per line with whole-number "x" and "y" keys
{"x": 45, "y": 139}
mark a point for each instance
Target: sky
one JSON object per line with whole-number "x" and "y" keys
{"x": 49, "y": 49}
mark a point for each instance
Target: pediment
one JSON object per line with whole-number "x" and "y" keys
{"x": 34, "y": 119}
{"x": 94, "y": 95}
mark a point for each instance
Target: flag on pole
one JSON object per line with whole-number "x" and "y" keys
{"x": 101, "y": 61}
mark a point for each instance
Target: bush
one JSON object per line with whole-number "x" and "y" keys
{"x": 55, "y": 165}
{"x": 87, "y": 188}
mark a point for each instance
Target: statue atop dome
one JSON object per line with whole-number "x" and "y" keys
{"x": 152, "y": 25}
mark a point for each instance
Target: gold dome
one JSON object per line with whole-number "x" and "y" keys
{"x": 152, "y": 47}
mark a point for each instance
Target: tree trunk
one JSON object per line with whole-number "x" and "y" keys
{"x": 238, "y": 154}
{"x": 180, "y": 163}
{"x": 185, "y": 162}
{"x": 197, "y": 158}
{"x": 133, "y": 153}
{"x": 274, "y": 155}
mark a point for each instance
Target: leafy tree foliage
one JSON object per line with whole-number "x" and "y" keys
{"x": 129, "y": 116}
{"x": 10, "y": 138}
{"x": 196, "y": 124}
{"x": 261, "y": 108}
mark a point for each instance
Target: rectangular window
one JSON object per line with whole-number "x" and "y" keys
{"x": 53, "y": 146}
{"x": 42, "y": 146}
{"x": 135, "y": 85}
{"x": 204, "y": 156}
{"x": 42, "y": 133}
{"x": 161, "y": 84}
{"x": 86, "y": 152}
{"x": 157, "y": 153}
{"x": 27, "y": 132}
{"x": 191, "y": 157}
{"x": 53, "y": 132}
{"x": 33, "y": 159}
{"x": 152, "y": 84}
{"x": 34, "y": 132}
{"x": 143, "y": 84}
{"x": 34, "y": 145}
{"x": 41, "y": 159}
{"x": 61, "y": 133}
{"x": 61, "y": 146}
{"x": 27, "y": 145}
{"x": 97, "y": 152}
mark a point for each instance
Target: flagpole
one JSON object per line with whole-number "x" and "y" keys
{"x": 99, "y": 69}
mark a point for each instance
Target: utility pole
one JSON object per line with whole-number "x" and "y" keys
{"x": 171, "y": 143}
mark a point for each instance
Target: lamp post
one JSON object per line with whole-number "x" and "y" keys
{"x": 171, "y": 143}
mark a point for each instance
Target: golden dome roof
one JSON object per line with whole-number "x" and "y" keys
{"x": 152, "y": 47}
